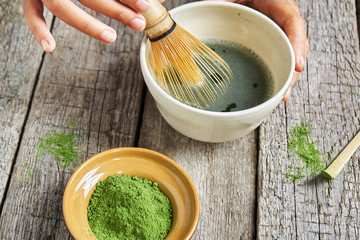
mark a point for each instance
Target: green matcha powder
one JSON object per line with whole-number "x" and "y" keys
{"x": 303, "y": 146}
{"x": 124, "y": 207}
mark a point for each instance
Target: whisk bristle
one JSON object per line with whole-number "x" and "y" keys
{"x": 188, "y": 70}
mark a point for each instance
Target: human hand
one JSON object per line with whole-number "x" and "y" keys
{"x": 127, "y": 13}
{"x": 287, "y": 15}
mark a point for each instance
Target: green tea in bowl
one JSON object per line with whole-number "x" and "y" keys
{"x": 252, "y": 83}
{"x": 250, "y": 100}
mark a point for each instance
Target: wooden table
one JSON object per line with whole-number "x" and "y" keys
{"x": 241, "y": 184}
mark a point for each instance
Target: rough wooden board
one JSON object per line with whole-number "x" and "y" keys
{"x": 275, "y": 219}
{"x": 358, "y": 16}
{"x": 328, "y": 93}
{"x": 20, "y": 58}
{"x": 97, "y": 86}
{"x": 223, "y": 173}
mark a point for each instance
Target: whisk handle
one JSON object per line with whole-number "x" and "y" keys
{"x": 155, "y": 14}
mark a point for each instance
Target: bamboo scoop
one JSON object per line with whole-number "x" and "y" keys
{"x": 337, "y": 165}
{"x": 186, "y": 68}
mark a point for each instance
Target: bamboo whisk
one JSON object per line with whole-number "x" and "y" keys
{"x": 186, "y": 68}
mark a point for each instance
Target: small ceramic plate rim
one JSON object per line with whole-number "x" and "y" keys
{"x": 167, "y": 168}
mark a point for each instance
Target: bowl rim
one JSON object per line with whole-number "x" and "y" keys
{"x": 95, "y": 157}
{"x": 241, "y": 113}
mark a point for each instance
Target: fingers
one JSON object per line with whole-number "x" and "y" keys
{"x": 33, "y": 11}
{"x": 138, "y": 5}
{"x": 127, "y": 13}
{"x": 295, "y": 30}
{"x": 121, "y": 12}
{"x": 287, "y": 96}
{"x": 287, "y": 15}
{"x": 293, "y": 81}
{"x": 68, "y": 12}
{"x": 294, "y": 78}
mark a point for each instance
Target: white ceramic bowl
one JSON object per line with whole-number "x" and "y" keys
{"x": 239, "y": 24}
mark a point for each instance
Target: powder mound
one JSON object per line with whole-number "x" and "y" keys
{"x": 124, "y": 207}
{"x": 303, "y": 146}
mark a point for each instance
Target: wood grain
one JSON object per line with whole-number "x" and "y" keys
{"x": 99, "y": 87}
{"x": 327, "y": 95}
{"x": 358, "y": 16}
{"x": 224, "y": 174}
{"x": 20, "y": 59}
{"x": 241, "y": 184}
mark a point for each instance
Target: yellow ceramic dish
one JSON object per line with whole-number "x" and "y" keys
{"x": 144, "y": 163}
